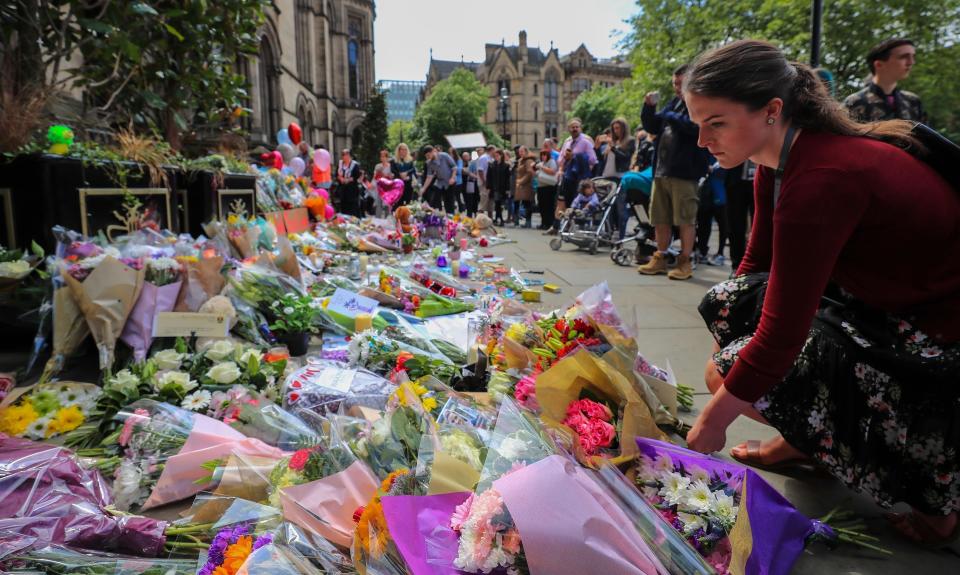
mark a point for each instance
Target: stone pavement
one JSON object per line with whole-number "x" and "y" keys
{"x": 670, "y": 329}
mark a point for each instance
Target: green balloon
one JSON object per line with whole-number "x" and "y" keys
{"x": 60, "y": 134}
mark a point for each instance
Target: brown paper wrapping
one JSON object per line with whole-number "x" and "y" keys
{"x": 517, "y": 356}
{"x": 565, "y": 383}
{"x": 287, "y": 260}
{"x": 69, "y": 330}
{"x": 202, "y": 281}
{"x": 106, "y": 297}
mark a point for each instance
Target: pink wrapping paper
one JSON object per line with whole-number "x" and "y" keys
{"x": 138, "y": 331}
{"x": 209, "y": 439}
{"x": 569, "y": 525}
{"x": 334, "y": 499}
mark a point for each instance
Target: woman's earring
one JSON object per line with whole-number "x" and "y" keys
{"x": 770, "y": 121}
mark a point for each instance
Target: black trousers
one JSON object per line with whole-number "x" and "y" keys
{"x": 472, "y": 202}
{"x": 706, "y": 213}
{"x": 547, "y": 202}
{"x": 739, "y": 208}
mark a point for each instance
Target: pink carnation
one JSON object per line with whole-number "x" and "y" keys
{"x": 461, "y": 513}
{"x": 525, "y": 392}
{"x": 139, "y": 415}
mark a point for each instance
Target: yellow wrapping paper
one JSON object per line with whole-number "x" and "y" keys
{"x": 450, "y": 475}
{"x": 517, "y": 356}
{"x": 287, "y": 260}
{"x": 106, "y": 297}
{"x": 567, "y": 380}
{"x": 69, "y": 330}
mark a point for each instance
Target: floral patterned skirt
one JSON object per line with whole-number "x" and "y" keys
{"x": 870, "y": 397}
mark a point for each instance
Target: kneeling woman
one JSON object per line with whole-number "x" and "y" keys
{"x": 842, "y": 325}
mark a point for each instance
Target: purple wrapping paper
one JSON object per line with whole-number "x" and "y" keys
{"x": 138, "y": 331}
{"x": 778, "y": 531}
{"x": 44, "y": 493}
{"x": 418, "y": 521}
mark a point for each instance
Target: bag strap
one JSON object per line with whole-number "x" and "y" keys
{"x": 784, "y": 154}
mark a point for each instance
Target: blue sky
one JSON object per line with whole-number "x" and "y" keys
{"x": 405, "y": 30}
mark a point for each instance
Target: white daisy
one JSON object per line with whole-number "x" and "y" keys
{"x": 663, "y": 463}
{"x": 691, "y": 523}
{"x": 698, "y": 497}
{"x": 723, "y": 509}
{"x": 674, "y": 487}
{"x": 196, "y": 400}
{"x": 699, "y": 474}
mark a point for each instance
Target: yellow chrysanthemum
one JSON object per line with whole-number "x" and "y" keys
{"x": 232, "y": 219}
{"x": 15, "y": 419}
{"x": 429, "y": 404}
{"x": 517, "y": 331}
{"x": 67, "y": 419}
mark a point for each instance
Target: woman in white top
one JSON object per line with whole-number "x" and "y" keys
{"x": 546, "y": 188}
{"x": 619, "y": 150}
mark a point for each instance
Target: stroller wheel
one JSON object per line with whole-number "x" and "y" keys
{"x": 622, "y": 256}
{"x": 593, "y": 247}
{"x": 556, "y": 244}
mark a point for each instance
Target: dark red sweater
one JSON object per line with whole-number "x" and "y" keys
{"x": 867, "y": 215}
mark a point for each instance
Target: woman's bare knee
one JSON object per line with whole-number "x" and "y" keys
{"x": 712, "y": 376}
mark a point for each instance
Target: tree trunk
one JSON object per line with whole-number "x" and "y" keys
{"x": 171, "y": 132}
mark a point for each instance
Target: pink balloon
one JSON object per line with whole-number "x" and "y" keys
{"x": 297, "y": 166}
{"x": 330, "y": 213}
{"x": 322, "y": 159}
{"x": 323, "y": 193}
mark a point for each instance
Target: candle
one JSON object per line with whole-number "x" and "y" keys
{"x": 442, "y": 261}
{"x": 465, "y": 271}
{"x": 364, "y": 261}
{"x": 463, "y": 243}
{"x": 455, "y": 268}
{"x": 362, "y": 321}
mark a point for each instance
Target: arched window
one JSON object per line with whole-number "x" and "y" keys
{"x": 550, "y": 93}
{"x": 534, "y": 89}
{"x": 302, "y": 17}
{"x": 353, "y": 57}
{"x": 269, "y": 88}
{"x": 355, "y": 139}
{"x": 535, "y": 110}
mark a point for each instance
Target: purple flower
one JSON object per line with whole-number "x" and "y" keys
{"x": 263, "y": 540}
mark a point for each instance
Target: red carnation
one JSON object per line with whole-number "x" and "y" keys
{"x": 358, "y": 513}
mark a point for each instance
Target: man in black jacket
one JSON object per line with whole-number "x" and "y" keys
{"x": 678, "y": 164}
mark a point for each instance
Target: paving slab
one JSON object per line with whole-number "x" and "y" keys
{"x": 670, "y": 329}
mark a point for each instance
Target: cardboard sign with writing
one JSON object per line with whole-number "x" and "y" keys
{"x": 350, "y": 304}
{"x": 185, "y": 324}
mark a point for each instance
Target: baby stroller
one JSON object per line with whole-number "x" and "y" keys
{"x": 599, "y": 228}
{"x": 638, "y": 187}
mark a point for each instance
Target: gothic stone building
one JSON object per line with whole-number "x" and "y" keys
{"x": 315, "y": 67}
{"x": 539, "y": 88}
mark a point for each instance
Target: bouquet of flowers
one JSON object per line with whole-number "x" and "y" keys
{"x": 373, "y": 351}
{"x": 512, "y": 523}
{"x": 47, "y": 410}
{"x": 733, "y": 518}
{"x": 62, "y": 560}
{"x": 417, "y": 299}
{"x": 392, "y": 442}
{"x": 201, "y": 278}
{"x": 230, "y": 549}
{"x": 320, "y": 487}
{"x": 373, "y": 549}
{"x": 158, "y": 455}
{"x": 160, "y": 291}
{"x": 50, "y": 498}
{"x": 329, "y": 387}
{"x": 587, "y": 396}
{"x": 105, "y": 289}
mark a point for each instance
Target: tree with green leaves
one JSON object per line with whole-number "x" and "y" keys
{"x": 667, "y": 33}
{"x": 373, "y": 131}
{"x": 596, "y": 108}
{"x": 397, "y": 132}
{"x": 454, "y": 106}
{"x": 169, "y": 67}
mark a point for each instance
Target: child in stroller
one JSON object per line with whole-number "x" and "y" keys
{"x": 586, "y": 206}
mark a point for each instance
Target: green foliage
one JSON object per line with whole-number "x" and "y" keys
{"x": 373, "y": 131}
{"x": 454, "y": 106}
{"x": 293, "y": 313}
{"x": 667, "y": 33}
{"x": 165, "y": 66}
{"x": 398, "y": 132}
{"x": 596, "y": 108}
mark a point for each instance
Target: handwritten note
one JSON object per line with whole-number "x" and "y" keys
{"x": 350, "y": 304}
